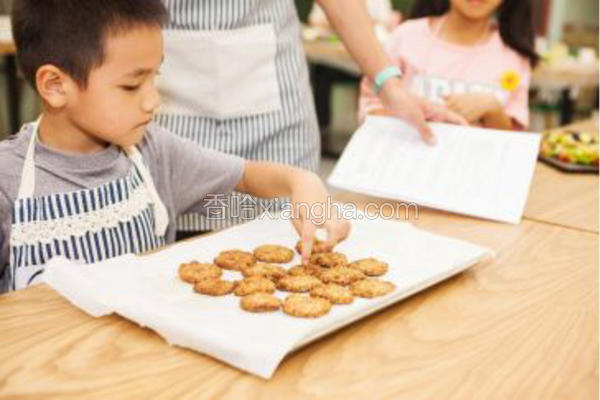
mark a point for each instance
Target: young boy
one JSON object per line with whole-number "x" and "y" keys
{"x": 94, "y": 178}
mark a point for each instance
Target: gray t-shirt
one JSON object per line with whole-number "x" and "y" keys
{"x": 184, "y": 174}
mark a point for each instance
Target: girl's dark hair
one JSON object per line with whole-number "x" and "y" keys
{"x": 71, "y": 34}
{"x": 515, "y": 18}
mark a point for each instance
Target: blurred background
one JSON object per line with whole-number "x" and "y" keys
{"x": 564, "y": 86}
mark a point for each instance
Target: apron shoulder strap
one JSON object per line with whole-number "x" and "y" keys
{"x": 27, "y": 184}
{"x": 161, "y": 216}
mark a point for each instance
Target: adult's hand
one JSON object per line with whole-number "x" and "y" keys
{"x": 416, "y": 110}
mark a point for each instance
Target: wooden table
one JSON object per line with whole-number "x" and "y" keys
{"x": 562, "y": 198}
{"x": 524, "y": 326}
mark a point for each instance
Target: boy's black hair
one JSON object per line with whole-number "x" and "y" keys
{"x": 515, "y": 18}
{"x": 71, "y": 34}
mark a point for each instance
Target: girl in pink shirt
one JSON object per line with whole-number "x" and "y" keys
{"x": 474, "y": 56}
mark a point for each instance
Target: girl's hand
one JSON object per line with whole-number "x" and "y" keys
{"x": 473, "y": 106}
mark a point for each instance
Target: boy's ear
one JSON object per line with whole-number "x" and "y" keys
{"x": 53, "y": 85}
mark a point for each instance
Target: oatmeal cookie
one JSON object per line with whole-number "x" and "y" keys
{"x": 254, "y": 284}
{"x": 329, "y": 260}
{"x": 309, "y": 269}
{"x": 273, "y": 254}
{"x": 236, "y": 260}
{"x": 195, "y": 271}
{"x": 269, "y": 271}
{"x": 336, "y": 294}
{"x": 298, "y": 305}
{"x": 372, "y": 287}
{"x": 214, "y": 287}
{"x": 319, "y": 246}
{"x": 260, "y": 302}
{"x": 298, "y": 283}
{"x": 341, "y": 275}
{"x": 370, "y": 266}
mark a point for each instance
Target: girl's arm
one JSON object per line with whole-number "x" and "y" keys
{"x": 480, "y": 108}
{"x": 497, "y": 118}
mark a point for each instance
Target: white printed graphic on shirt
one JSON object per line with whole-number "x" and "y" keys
{"x": 434, "y": 88}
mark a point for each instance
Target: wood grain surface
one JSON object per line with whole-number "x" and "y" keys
{"x": 562, "y": 198}
{"x": 523, "y": 326}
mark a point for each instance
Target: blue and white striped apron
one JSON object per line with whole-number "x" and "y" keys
{"x": 227, "y": 38}
{"x": 87, "y": 226}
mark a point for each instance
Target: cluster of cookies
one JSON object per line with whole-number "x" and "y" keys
{"x": 328, "y": 279}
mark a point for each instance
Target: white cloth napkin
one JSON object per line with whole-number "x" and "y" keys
{"x": 147, "y": 289}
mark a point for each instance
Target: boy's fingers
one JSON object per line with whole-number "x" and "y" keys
{"x": 336, "y": 233}
{"x": 297, "y": 223}
{"x": 331, "y": 242}
{"x": 307, "y": 237}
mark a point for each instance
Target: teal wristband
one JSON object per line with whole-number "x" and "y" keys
{"x": 385, "y": 74}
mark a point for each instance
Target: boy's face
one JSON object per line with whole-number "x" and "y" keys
{"x": 120, "y": 98}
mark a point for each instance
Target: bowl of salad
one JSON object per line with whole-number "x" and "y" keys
{"x": 570, "y": 150}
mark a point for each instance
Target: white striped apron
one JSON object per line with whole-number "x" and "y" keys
{"x": 227, "y": 38}
{"x": 87, "y": 226}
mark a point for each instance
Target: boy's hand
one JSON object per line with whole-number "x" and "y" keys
{"x": 309, "y": 198}
{"x": 312, "y": 210}
{"x": 337, "y": 230}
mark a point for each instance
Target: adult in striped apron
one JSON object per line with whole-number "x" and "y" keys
{"x": 235, "y": 79}
{"x": 87, "y": 226}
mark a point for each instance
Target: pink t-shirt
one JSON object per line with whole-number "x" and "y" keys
{"x": 439, "y": 68}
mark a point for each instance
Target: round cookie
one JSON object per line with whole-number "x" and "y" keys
{"x": 260, "y": 302}
{"x": 372, "y": 287}
{"x": 254, "y": 284}
{"x": 319, "y": 246}
{"x": 298, "y": 305}
{"x": 370, "y": 266}
{"x": 309, "y": 269}
{"x": 269, "y": 271}
{"x": 341, "y": 275}
{"x": 194, "y": 271}
{"x": 272, "y": 253}
{"x": 214, "y": 287}
{"x": 329, "y": 260}
{"x": 298, "y": 283}
{"x": 236, "y": 260}
{"x": 336, "y": 294}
